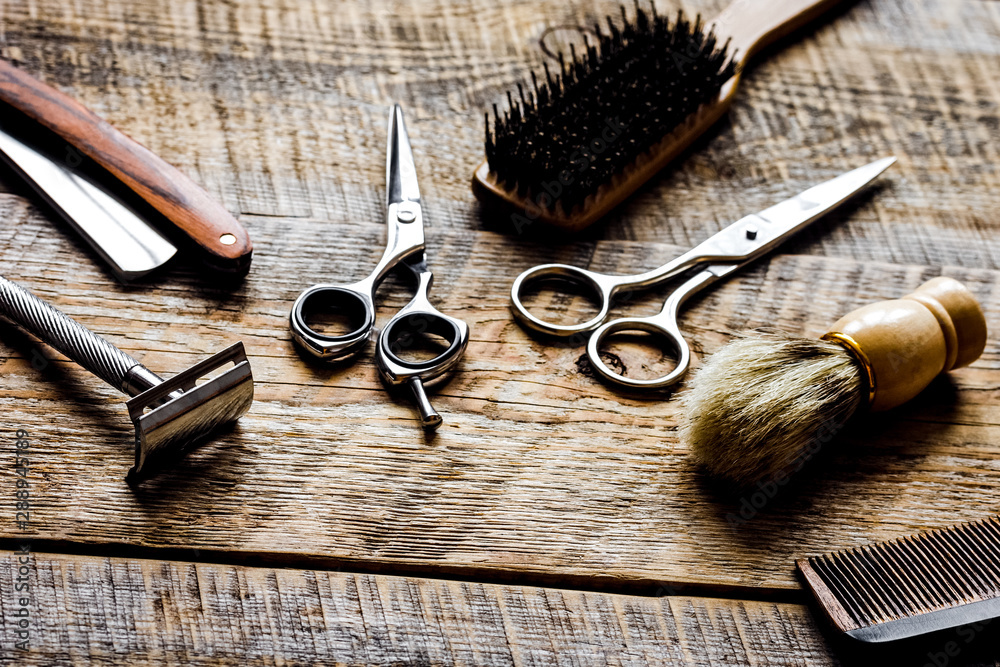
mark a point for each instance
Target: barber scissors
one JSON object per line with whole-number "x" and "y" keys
{"x": 356, "y": 301}
{"x": 736, "y": 245}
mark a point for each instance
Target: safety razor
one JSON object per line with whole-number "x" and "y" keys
{"x": 170, "y": 416}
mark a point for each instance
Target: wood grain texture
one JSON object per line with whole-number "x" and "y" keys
{"x": 275, "y": 107}
{"x": 128, "y": 611}
{"x": 117, "y": 611}
{"x": 539, "y": 473}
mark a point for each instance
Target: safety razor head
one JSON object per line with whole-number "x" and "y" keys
{"x": 172, "y": 417}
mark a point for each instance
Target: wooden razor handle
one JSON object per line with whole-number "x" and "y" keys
{"x": 224, "y": 240}
{"x": 905, "y": 343}
{"x": 753, "y": 24}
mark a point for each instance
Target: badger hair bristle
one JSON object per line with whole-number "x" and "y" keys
{"x": 766, "y": 401}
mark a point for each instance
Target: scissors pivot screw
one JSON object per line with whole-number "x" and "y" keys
{"x": 752, "y": 232}
{"x": 405, "y": 214}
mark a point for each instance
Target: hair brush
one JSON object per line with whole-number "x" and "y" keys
{"x": 584, "y": 138}
{"x": 763, "y": 404}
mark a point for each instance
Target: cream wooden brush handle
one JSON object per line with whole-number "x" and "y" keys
{"x": 905, "y": 343}
{"x": 753, "y": 24}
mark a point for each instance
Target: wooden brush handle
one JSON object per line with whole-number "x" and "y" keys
{"x": 163, "y": 186}
{"x": 905, "y": 343}
{"x": 753, "y": 24}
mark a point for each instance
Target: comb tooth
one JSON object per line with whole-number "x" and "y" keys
{"x": 979, "y": 550}
{"x": 910, "y": 596}
{"x": 915, "y": 572}
{"x": 893, "y": 599}
{"x": 868, "y": 592}
{"x": 951, "y": 571}
{"x": 933, "y": 579}
{"x": 985, "y": 553}
{"x": 876, "y": 588}
{"x": 935, "y": 562}
{"x": 991, "y": 529}
{"x": 988, "y": 547}
{"x": 964, "y": 558}
{"x": 954, "y": 567}
{"x": 922, "y": 600}
{"x": 843, "y": 593}
{"x": 859, "y": 599}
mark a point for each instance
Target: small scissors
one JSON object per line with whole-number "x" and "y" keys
{"x": 736, "y": 245}
{"x": 405, "y": 245}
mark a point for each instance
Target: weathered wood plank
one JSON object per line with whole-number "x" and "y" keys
{"x": 126, "y": 611}
{"x": 540, "y": 474}
{"x": 278, "y": 108}
{"x": 111, "y": 611}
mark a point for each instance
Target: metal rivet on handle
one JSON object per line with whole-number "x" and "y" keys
{"x": 227, "y": 239}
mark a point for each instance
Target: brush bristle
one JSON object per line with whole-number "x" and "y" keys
{"x": 604, "y": 108}
{"x": 766, "y": 401}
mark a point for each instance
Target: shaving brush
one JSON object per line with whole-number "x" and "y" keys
{"x": 765, "y": 403}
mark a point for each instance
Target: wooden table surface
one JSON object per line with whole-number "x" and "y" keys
{"x": 551, "y": 520}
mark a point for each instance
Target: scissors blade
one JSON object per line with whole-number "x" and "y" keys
{"x": 759, "y": 233}
{"x": 807, "y": 206}
{"x": 400, "y": 171}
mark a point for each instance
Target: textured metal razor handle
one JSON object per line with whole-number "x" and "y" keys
{"x": 66, "y": 335}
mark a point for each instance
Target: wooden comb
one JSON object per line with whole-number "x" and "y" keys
{"x": 910, "y": 586}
